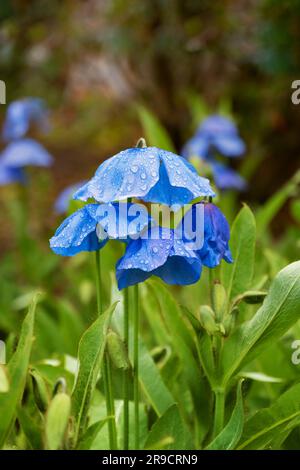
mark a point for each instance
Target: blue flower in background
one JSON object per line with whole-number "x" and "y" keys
{"x": 63, "y": 200}
{"x": 226, "y": 178}
{"x": 21, "y": 114}
{"x": 25, "y": 152}
{"x": 89, "y": 228}
{"x": 216, "y": 235}
{"x": 218, "y": 134}
{"x": 149, "y": 173}
{"x": 11, "y": 175}
{"x": 160, "y": 254}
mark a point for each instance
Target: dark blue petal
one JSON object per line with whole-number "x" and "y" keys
{"x": 25, "y": 152}
{"x": 77, "y": 233}
{"x": 11, "y": 175}
{"x": 130, "y": 173}
{"x": 165, "y": 257}
{"x": 19, "y": 116}
{"x": 226, "y": 178}
{"x": 63, "y": 200}
{"x": 216, "y": 237}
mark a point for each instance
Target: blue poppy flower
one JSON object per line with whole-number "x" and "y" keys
{"x": 25, "y": 152}
{"x": 216, "y": 234}
{"x": 216, "y": 133}
{"x": 10, "y": 175}
{"x": 226, "y": 178}
{"x": 159, "y": 254}
{"x": 149, "y": 173}
{"x": 89, "y": 228}
{"x": 21, "y": 114}
{"x": 63, "y": 200}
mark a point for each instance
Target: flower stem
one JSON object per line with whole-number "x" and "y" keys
{"x": 106, "y": 372}
{"x": 219, "y": 411}
{"x": 126, "y": 376}
{"x": 136, "y": 365}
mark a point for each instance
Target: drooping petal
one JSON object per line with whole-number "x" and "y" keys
{"x": 77, "y": 233}
{"x": 227, "y": 178}
{"x": 197, "y": 146}
{"x": 19, "y": 116}
{"x": 216, "y": 237}
{"x": 151, "y": 174}
{"x": 130, "y": 173}
{"x": 217, "y": 125}
{"x": 25, "y": 152}
{"x": 229, "y": 146}
{"x": 10, "y": 175}
{"x": 165, "y": 257}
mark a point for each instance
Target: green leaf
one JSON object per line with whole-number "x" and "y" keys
{"x": 90, "y": 355}
{"x": 268, "y": 423}
{"x": 57, "y": 419}
{"x": 90, "y": 434}
{"x": 31, "y": 429}
{"x": 17, "y": 372}
{"x": 156, "y": 134}
{"x": 231, "y": 434}
{"x": 170, "y": 425}
{"x": 269, "y": 210}
{"x": 237, "y": 277}
{"x": 278, "y": 313}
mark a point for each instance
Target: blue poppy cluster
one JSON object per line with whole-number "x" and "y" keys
{"x": 22, "y": 151}
{"x": 218, "y": 135}
{"x": 152, "y": 175}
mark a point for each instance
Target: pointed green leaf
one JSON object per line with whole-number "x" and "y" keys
{"x": 231, "y": 434}
{"x": 237, "y": 277}
{"x": 156, "y": 134}
{"x": 17, "y": 372}
{"x": 170, "y": 425}
{"x": 269, "y": 423}
{"x": 278, "y": 313}
{"x": 90, "y": 355}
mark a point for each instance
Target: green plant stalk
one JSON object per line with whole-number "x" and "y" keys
{"x": 126, "y": 376}
{"x": 219, "y": 411}
{"x": 136, "y": 365}
{"x": 106, "y": 373}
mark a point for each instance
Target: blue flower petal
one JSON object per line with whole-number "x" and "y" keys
{"x": 10, "y": 175}
{"x": 20, "y": 114}
{"x": 198, "y": 146}
{"x": 229, "y": 146}
{"x": 25, "y": 152}
{"x": 160, "y": 256}
{"x": 77, "y": 233}
{"x": 130, "y": 173}
{"x": 217, "y": 125}
{"x": 216, "y": 237}
{"x": 226, "y": 178}
{"x": 148, "y": 173}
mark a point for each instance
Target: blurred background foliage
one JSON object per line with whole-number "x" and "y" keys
{"x": 96, "y": 62}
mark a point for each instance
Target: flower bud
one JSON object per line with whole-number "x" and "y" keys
{"x": 219, "y": 300}
{"x": 57, "y": 420}
{"x": 207, "y": 320}
{"x": 117, "y": 351}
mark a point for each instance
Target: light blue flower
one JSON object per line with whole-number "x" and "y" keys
{"x": 89, "y": 228}
{"x": 226, "y": 178}
{"x": 21, "y": 114}
{"x": 216, "y": 133}
{"x": 159, "y": 254}
{"x": 63, "y": 200}
{"x": 25, "y": 152}
{"x": 149, "y": 173}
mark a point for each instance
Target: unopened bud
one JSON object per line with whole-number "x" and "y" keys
{"x": 207, "y": 320}
{"x": 57, "y": 420}
{"x": 117, "y": 351}
{"x": 219, "y": 300}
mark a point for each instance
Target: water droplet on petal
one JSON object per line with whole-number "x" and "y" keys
{"x": 134, "y": 168}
